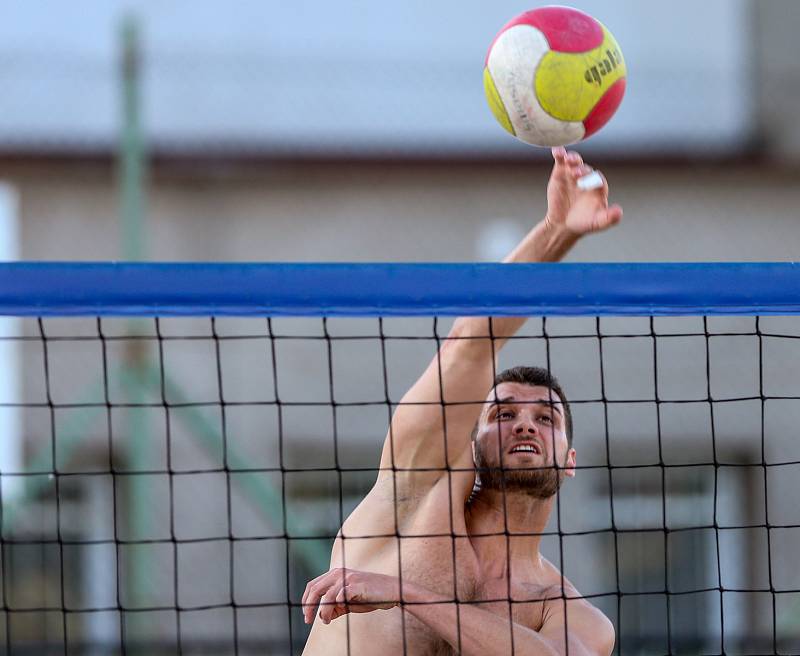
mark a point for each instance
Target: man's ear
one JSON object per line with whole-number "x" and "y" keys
{"x": 571, "y": 462}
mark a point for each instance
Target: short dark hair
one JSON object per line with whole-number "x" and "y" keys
{"x": 538, "y": 377}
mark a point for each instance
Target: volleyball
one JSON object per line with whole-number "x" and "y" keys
{"x": 554, "y": 76}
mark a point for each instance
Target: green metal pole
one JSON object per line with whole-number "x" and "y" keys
{"x": 132, "y": 159}
{"x": 132, "y": 172}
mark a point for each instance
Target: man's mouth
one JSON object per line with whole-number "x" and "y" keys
{"x": 527, "y": 448}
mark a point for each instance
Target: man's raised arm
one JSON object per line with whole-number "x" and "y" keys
{"x": 431, "y": 428}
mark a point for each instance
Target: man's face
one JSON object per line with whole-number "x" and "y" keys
{"x": 521, "y": 436}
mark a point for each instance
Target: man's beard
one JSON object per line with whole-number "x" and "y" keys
{"x": 537, "y": 482}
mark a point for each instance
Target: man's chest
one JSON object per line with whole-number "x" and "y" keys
{"x": 451, "y": 567}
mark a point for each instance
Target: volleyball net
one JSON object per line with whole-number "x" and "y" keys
{"x": 181, "y": 443}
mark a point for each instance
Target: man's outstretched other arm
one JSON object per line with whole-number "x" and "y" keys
{"x": 466, "y": 627}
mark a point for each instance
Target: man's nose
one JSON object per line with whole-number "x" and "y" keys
{"x": 524, "y": 427}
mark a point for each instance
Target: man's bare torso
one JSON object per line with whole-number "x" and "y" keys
{"x": 431, "y": 552}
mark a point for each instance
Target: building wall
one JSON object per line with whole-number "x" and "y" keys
{"x": 344, "y": 211}
{"x": 425, "y": 212}
{"x": 778, "y": 76}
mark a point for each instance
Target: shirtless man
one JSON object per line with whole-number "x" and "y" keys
{"x": 448, "y": 550}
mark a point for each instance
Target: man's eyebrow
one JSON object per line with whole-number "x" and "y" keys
{"x": 552, "y": 404}
{"x": 547, "y": 402}
{"x": 497, "y": 401}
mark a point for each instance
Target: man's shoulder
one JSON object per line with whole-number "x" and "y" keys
{"x": 596, "y": 630}
{"x": 584, "y": 618}
{"x": 566, "y": 605}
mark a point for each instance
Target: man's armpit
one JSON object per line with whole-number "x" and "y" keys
{"x": 398, "y": 489}
{"x": 401, "y": 497}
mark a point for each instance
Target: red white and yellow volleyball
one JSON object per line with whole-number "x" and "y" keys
{"x": 554, "y": 76}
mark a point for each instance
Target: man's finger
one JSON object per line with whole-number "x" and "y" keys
{"x": 313, "y": 582}
{"x": 607, "y": 217}
{"x": 323, "y": 579}
{"x": 338, "y": 611}
{"x": 315, "y": 589}
{"x": 559, "y": 154}
{"x": 310, "y": 602}
{"x": 614, "y": 215}
{"x": 328, "y": 605}
{"x": 582, "y": 170}
{"x": 311, "y": 587}
{"x": 574, "y": 158}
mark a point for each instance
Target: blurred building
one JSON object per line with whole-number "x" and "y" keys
{"x": 312, "y": 131}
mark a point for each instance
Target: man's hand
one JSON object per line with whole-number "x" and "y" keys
{"x": 579, "y": 212}
{"x": 341, "y": 591}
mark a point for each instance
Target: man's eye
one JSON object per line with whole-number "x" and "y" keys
{"x": 505, "y": 414}
{"x": 546, "y": 418}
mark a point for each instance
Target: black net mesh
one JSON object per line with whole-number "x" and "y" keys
{"x": 177, "y": 482}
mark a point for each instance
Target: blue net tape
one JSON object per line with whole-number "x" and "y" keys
{"x": 202, "y": 289}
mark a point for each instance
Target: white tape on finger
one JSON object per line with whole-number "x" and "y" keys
{"x": 591, "y": 181}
